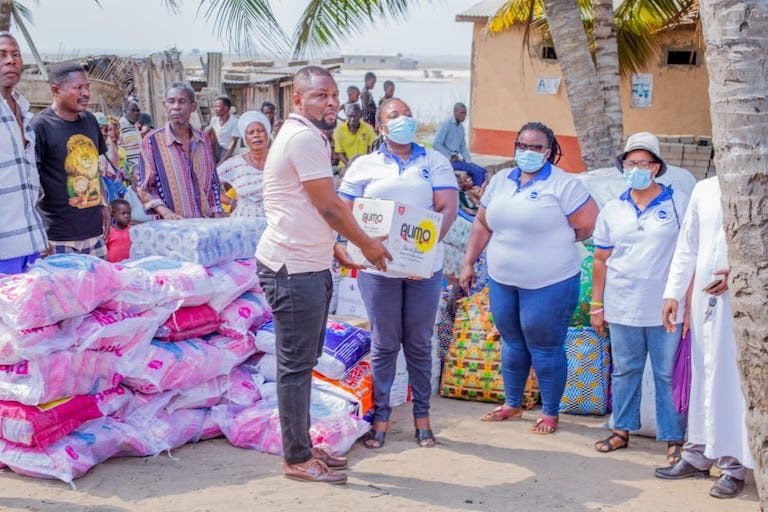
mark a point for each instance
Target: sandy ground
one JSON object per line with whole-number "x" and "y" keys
{"x": 477, "y": 467}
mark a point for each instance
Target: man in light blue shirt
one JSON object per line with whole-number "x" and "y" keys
{"x": 451, "y": 141}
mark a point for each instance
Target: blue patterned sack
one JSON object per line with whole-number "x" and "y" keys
{"x": 589, "y": 373}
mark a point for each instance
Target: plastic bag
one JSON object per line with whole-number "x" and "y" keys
{"x": 356, "y": 387}
{"x": 115, "y": 331}
{"x": 232, "y": 279}
{"x": 42, "y": 425}
{"x": 250, "y": 311}
{"x": 204, "y": 241}
{"x": 184, "y": 364}
{"x": 186, "y": 323}
{"x": 16, "y": 346}
{"x": 141, "y": 291}
{"x": 265, "y": 338}
{"x": 56, "y": 288}
{"x": 344, "y": 347}
{"x": 189, "y": 283}
{"x": 258, "y": 427}
{"x": 59, "y": 375}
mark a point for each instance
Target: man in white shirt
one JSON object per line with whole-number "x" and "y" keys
{"x": 717, "y": 433}
{"x": 294, "y": 260}
{"x": 22, "y": 235}
{"x": 224, "y": 125}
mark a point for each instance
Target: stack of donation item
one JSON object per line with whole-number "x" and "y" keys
{"x": 101, "y": 360}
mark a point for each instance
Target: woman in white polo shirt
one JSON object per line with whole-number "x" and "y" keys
{"x": 635, "y": 239}
{"x": 402, "y": 310}
{"x": 530, "y": 218}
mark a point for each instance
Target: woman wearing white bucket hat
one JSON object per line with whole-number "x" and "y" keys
{"x": 244, "y": 172}
{"x": 635, "y": 238}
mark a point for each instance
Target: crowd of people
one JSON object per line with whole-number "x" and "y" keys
{"x": 71, "y": 181}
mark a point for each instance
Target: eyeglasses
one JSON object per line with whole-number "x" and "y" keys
{"x": 641, "y": 164}
{"x": 533, "y": 147}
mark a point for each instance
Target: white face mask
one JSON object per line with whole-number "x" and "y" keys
{"x": 529, "y": 161}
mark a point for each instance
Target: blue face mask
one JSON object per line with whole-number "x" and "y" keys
{"x": 402, "y": 130}
{"x": 529, "y": 161}
{"x": 638, "y": 179}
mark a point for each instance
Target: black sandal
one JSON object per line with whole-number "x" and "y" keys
{"x": 674, "y": 456}
{"x": 609, "y": 447}
{"x": 425, "y": 438}
{"x": 374, "y": 439}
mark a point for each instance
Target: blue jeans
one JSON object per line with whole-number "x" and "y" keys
{"x": 629, "y": 349}
{"x": 533, "y": 325}
{"x": 401, "y": 312}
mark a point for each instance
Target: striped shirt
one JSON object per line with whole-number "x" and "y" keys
{"x": 185, "y": 183}
{"x": 130, "y": 141}
{"x": 22, "y": 232}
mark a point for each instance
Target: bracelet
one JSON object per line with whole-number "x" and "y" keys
{"x": 596, "y": 311}
{"x": 595, "y": 303}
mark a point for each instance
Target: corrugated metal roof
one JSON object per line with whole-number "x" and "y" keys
{"x": 480, "y": 11}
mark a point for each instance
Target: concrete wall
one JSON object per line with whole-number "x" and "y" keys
{"x": 504, "y": 97}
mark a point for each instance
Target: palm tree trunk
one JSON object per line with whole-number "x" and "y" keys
{"x": 581, "y": 82}
{"x": 736, "y": 37}
{"x": 607, "y": 64}
{"x": 6, "y": 7}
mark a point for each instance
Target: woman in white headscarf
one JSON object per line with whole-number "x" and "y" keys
{"x": 244, "y": 172}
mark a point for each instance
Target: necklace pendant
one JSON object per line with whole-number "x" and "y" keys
{"x": 640, "y": 228}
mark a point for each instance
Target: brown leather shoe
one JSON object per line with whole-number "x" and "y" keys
{"x": 314, "y": 471}
{"x": 329, "y": 460}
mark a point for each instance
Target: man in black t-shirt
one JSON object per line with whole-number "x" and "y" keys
{"x": 68, "y": 145}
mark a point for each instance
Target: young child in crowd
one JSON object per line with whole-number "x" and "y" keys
{"x": 119, "y": 240}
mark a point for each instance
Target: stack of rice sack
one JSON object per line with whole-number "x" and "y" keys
{"x": 101, "y": 360}
{"x": 587, "y": 387}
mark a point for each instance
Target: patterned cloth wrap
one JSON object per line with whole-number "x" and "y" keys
{"x": 446, "y": 315}
{"x": 589, "y": 373}
{"x": 473, "y": 366}
{"x": 455, "y": 247}
{"x": 581, "y": 314}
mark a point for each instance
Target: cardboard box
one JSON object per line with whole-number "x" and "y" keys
{"x": 411, "y": 234}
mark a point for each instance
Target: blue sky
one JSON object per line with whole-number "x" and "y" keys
{"x": 72, "y": 26}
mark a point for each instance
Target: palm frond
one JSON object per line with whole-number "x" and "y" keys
{"x": 23, "y": 11}
{"x": 248, "y": 26}
{"x": 640, "y": 25}
{"x": 323, "y": 22}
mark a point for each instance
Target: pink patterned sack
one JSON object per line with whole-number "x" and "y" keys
{"x": 59, "y": 375}
{"x": 56, "y": 288}
{"x": 42, "y": 425}
{"x": 191, "y": 322}
{"x": 16, "y": 346}
{"x": 258, "y": 428}
{"x": 184, "y": 364}
{"x": 189, "y": 283}
{"x": 232, "y": 279}
{"x": 248, "y": 312}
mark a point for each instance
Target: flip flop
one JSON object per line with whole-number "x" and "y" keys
{"x": 547, "y": 422}
{"x": 502, "y": 413}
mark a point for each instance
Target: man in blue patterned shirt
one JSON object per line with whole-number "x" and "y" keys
{"x": 22, "y": 235}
